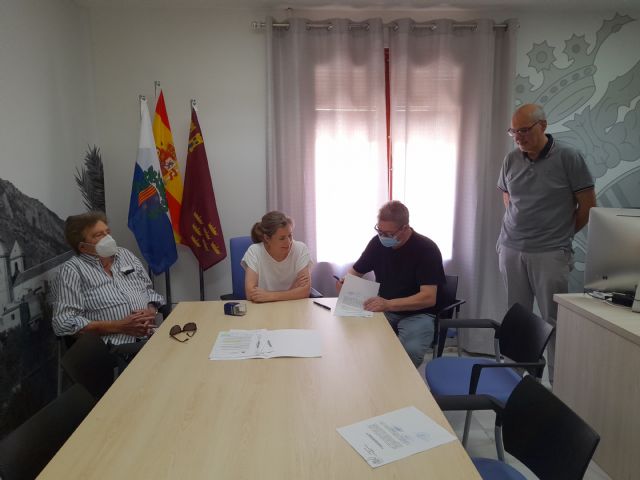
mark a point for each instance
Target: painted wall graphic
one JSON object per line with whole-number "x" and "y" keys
{"x": 607, "y": 132}
{"x": 32, "y": 248}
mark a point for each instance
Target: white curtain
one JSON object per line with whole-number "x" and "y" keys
{"x": 326, "y": 135}
{"x": 451, "y": 93}
{"x": 451, "y": 103}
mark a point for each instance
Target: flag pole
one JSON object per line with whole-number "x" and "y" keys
{"x": 194, "y": 105}
{"x": 167, "y": 279}
{"x": 201, "y": 272}
{"x": 167, "y": 275}
{"x": 142, "y": 98}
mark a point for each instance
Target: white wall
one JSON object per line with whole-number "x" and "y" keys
{"x": 46, "y": 99}
{"x": 213, "y": 56}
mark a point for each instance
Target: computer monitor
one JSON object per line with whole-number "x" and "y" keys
{"x": 613, "y": 250}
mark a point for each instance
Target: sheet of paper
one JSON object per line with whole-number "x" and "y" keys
{"x": 236, "y": 345}
{"x": 294, "y": 343}
{"x": 394, "y": 435}
{"x": 244, "y": 344}
{"x": 353, "y": 294}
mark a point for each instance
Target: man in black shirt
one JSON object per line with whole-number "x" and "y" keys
{"x": 408, "y": 267}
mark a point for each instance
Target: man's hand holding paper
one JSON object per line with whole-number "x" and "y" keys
{"x": 353, "y": 294}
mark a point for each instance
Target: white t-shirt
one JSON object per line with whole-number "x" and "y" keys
{"x": 272, "y": 275}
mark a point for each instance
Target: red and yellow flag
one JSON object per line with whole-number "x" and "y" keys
{"x": 168, "y": 165}
{"x": 200, "y": 223}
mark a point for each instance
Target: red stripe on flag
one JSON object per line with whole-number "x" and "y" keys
{"x": 161, "y": 111}
{"x": 146, "y": 194}
{"x": 174, "y": 213}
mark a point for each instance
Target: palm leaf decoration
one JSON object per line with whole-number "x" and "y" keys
{"x": 90, "y": 180}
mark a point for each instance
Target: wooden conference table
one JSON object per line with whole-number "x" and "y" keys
{"x": 175, "y": 414}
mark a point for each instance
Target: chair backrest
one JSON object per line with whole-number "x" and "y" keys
{"x": 447, "y": 295}
{"x": 545, "y": 434}
{"x": 28, "y": 449}
{"x": 89, "y": 363}
{"x": 238, "y": 247}
{"x": 523, "y": 335}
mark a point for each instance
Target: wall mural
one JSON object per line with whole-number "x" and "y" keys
{"x": 32, "y": 248}
{"x": 606, "y": 132}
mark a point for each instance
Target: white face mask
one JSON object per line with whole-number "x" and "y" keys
{"x": 106, "y": 247}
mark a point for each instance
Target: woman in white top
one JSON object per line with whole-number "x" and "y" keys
{"x": 277, "y": 267}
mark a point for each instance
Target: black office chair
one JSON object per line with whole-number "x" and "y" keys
{"x": 449, "y": 308}
{"x": 466, "y": 383}
{"x": 90, "y": 363}
{"x": 28, "y": 449}
{"x": 543, "y": 433}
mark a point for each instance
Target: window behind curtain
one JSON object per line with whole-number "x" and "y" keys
{"x": 350, "y": 155}
{"x": 425, "y": 121}
{"x": 421, "y": 168}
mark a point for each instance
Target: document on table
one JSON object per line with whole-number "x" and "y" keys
{"x": 243, "y": 344}
{"x": 354, "y": 292}
{"x": 394, "y": 435}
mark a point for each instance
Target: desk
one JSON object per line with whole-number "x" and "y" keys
{"x": 597, "y": 375}
{"x": 175, "y": 414}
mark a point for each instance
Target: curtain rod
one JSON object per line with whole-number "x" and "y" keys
{"x": 393, "y": 26}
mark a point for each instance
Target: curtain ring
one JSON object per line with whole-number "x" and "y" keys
{"x": 395, "y": 27}
{"x": 366, "y": 27}
{"x": 330, "y": 27}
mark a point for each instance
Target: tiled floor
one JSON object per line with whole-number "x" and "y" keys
{"x": 481, "y": 435}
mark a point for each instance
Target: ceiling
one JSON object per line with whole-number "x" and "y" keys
{"x": 512, "y": 5}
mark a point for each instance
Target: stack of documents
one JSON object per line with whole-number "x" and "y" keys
{"x": 354, "y": 292}
{"x": 394, "y": 435}
{"x": 243, "y": 344}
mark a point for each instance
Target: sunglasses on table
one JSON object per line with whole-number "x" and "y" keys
{"x": 189, "y": 328}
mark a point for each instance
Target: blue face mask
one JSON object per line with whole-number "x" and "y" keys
{"x": 388, "y": 241}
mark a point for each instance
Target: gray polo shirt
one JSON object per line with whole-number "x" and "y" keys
{"x": 540, "y": 216}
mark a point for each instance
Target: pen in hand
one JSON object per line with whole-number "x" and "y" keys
{"x": 338, "y": 278}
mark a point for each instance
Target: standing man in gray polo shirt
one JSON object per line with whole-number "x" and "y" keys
{"x": 547, "y": 192}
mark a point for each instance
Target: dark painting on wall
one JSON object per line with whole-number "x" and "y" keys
{"x": 32, "y": 248}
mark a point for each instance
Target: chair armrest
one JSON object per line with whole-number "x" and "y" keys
{"x": 443, "y": 324}
{"x": 315, "y": 293}
{"x": 230, "y": 296}
{"x": 165, "y": 310}
{"x": 454, "y": 306}
{"x": 468, "y": 402}
{"x": 477, "y": 368}
{"x": 469, "y": 323}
